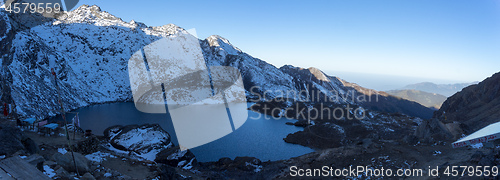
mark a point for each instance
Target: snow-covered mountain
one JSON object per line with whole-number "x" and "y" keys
{"x": 89, "y": 50}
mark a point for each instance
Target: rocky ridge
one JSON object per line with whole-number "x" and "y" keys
{"x": 465, "y": 112}
{"x": 89, "y": 49}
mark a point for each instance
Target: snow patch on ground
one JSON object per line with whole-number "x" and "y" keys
{"x": 477, "y": 146}
{"x": 120, "y": 152}
{"x": 258, "y": 168}
{"x": 99, "y": 156}
{"x": 107, "y": 175}
{"x": 48, "y": 171}
{"x": 151, "y": 155}
{"x": 113, "y": 132}
{"x": 188, "y": 166}
{"x": 62, "y": 150}
{"x": 177, "y": 155}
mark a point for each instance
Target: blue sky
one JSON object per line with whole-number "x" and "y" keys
{"x": 455, "y": 40}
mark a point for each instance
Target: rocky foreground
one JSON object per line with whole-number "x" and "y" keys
{"x": 146, "y": 152}
{"x": 124, "y": 152}
{"x": 375, "y": 140}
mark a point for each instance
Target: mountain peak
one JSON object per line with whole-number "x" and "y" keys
{"x": 94, "y": 7}
{"x": 92, "y": 15}
{"x": 138, "y": 24}
{"x": 169, "y": 28}
{"x": 223, "y": 44}
{"x": 318, "y": 74}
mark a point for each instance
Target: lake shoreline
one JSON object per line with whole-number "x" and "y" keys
{"x": 261, "y": 133}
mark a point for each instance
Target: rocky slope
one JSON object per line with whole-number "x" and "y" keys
{"x": 391, "y": 104}
{"x": 475, "y": 106}
{"x": 89, "y": 50}
{"x": 319, "y": 87}
{"x": 463, "y": 113}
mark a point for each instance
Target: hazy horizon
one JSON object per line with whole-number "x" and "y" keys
{"x": 384, "y": 82}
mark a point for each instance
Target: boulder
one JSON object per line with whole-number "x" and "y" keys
{"x": 61, "y": 173}
{"x": 176, "y": 158}
{"x": 455, "y": 129}
{"x": 36, "y": 160}
{"x": 433, "y": 130}
{"x": 145, "y": 140}
{"x": 10, "y": 140}
{"x": 225, "y": 161}
{"x": 239, "y": 164}
{"x": 88, "y": 146}
{"x": 168, "y": 172}
{"x": 247, "y": 163}
{"x": 87, "y": 176}
{"x": 66, "y": 161}
{"x": 30, "y": 146}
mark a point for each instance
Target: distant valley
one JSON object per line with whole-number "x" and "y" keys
{"x": 443, "y": 89}
{"x": 431, "y": 100}
{"x": 428, "y": 94}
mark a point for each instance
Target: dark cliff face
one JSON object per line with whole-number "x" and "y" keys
{"x": 316, "y": 86}
{"x": 476, "y": 106}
